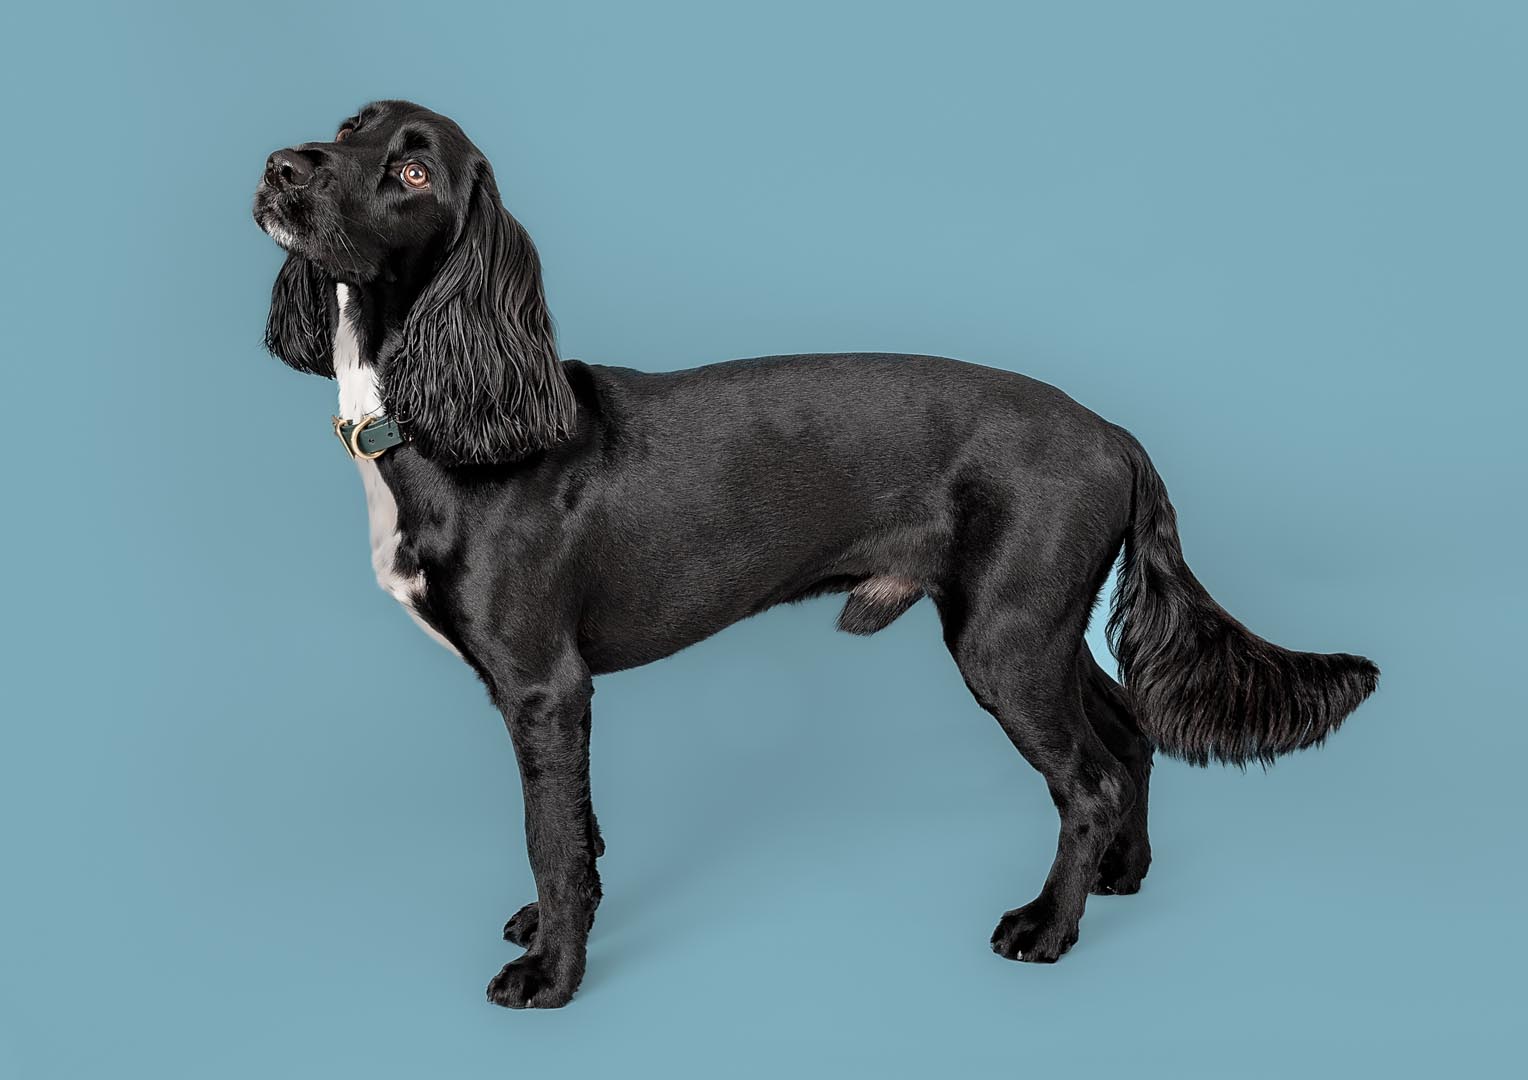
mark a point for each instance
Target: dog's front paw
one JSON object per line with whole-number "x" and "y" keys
{"x": 521, "y": 928}
{"x": 523, "y": 924}
{"x": 1033, "y": 933}
{"x": 535, "y": 982}
{"x": 1123, "y": 868}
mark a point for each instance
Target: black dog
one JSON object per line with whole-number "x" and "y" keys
{"x": 551, "y": 521}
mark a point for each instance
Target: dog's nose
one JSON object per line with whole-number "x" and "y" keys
{"x": 288, "y": 168}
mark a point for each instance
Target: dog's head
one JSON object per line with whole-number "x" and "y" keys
{"x": 404, "y": 209}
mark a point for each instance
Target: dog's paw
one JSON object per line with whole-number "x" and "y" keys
{"x": 523, "y": 924}
{"x": 521, "y": 928}
{"x": 1034, "y": 934}
{"x": 1123, "y": 869}
{"x": 533, "y": 982}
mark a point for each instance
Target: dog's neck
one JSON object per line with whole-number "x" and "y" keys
{"x": 369, "y": 315}
{"x": 360, "y": 389}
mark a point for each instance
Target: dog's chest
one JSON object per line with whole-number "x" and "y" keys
{"x": 360, "y": 395}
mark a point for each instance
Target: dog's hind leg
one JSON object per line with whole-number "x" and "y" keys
{"x": 1026, "y": 568}
{"x": 1040, "y": 709}
{"x": 1020, "y": 662}
{"x": 1128, "y": 857}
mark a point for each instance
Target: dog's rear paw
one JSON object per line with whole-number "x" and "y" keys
{"x": 521, "y": 928}
{"x": 1033, "y": 934}
{"x": 533, "y": 982}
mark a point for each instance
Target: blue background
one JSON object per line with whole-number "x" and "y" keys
{"x": 256, "y": 825}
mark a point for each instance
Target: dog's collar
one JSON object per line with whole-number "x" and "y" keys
{"x": 369, "y": 437}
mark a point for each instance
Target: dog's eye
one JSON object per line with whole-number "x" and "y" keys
{"x": 415, "y": 175}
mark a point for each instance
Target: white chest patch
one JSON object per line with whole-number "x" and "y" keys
{"x": 360, "y": 395}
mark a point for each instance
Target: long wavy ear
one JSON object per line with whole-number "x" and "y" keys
{"x": 304, "y": 311}
{"x": 475, "y": 379}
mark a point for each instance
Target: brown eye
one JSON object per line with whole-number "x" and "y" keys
{"x": 415, "y": 175}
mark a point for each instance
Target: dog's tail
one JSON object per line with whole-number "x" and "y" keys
{"x": 1203, "y": 687}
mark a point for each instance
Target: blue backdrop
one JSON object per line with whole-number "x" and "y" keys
{"x": 256, "y": 825}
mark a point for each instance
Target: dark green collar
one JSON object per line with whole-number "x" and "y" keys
{"x": 369, "y": 437}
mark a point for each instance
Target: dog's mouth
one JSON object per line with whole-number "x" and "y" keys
{"x": 278, "y": 232}
{"x": 278, "y": 218}
{"x": 308, "y": 227}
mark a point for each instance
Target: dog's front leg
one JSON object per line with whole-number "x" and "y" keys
{"x": 548, "y": 720}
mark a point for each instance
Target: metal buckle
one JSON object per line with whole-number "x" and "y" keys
{"x": 352, "y": 442}
{"x": 355, "y": 441}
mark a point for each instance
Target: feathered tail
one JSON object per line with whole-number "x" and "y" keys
{"x": 1203, "y": 686}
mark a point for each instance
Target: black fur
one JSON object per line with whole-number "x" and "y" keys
{"x": 570, "y": 520}
{"x": 475, "y": 376}
{"x": 1204, "y": 687}
{"x": 300, "y": 327}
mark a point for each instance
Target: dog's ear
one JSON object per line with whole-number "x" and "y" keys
{"x": 304, "y": 310}
{"x": 474, "y": 377}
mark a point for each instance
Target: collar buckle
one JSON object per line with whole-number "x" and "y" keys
{"x": 349, "y": 434}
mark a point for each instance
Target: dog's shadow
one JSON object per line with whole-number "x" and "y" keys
{"x": 720, "y": 808}
{"x": 737, "y": 783}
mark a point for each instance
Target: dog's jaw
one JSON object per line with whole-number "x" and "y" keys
{"x": 279, "y": 234}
